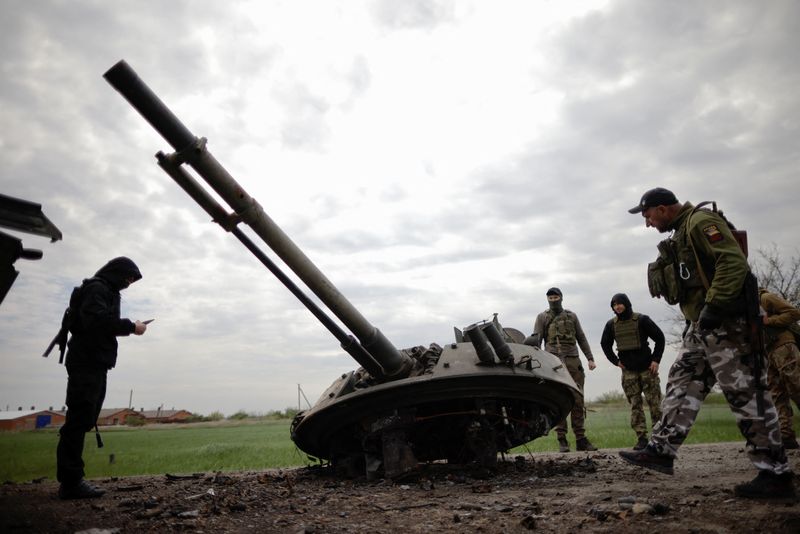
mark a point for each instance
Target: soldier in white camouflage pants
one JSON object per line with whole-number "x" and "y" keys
{"x": 702, "y": 266}
{"x": 720, "y": 356}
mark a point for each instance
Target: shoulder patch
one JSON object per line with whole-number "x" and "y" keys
{"x": 712, "y": 233}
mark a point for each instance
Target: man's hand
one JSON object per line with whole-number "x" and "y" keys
{"x": 139, "y": 328}
{"x": 592, "y": 365}
{"x": 653, "y": 368}
{"x": 709, "y": 319}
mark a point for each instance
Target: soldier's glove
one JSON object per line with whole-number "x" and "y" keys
{"x": 710, "y": 318}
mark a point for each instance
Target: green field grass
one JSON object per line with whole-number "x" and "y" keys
{"x": 156, "y": 449}
{"x": 256, "y": 445}
{"x": 608, "y": 426}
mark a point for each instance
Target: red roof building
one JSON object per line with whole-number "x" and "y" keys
{"x": 164, "y": 416}
{"x": 115, "y": 416}
{"x": 30, "y": 419}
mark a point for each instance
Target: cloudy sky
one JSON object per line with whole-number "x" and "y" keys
{"x": 440, "y": 161}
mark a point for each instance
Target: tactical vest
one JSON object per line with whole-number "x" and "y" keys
{"x": 560, "y": 329}
{"x": 626, "y": 333}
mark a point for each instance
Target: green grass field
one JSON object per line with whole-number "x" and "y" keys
{"x": 608, "y": 426}
{"x": 255, "y": 445}
{"x": 156, "y": 449}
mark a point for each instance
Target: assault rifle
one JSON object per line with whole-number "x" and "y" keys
{"x": 61, "y": 337}
{"x": 755, "y": 323}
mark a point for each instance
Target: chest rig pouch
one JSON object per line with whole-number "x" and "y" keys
{"x": 664, "y": 274}
{"x": 677, "y": 268}
{"x": 561, "y": 329}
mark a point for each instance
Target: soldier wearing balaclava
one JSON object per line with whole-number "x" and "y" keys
{"x": 561, "y": 332}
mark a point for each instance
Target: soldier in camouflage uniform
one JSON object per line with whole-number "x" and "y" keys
{"x": 702, "y": 268}
{"x": 561, "y": 332}
{"x": 783, "y": 371}
{"x": 639, "y": 366}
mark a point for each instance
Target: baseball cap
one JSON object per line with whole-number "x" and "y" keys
{"x": 655, "y": 197}
{"x": 554, "y": 291}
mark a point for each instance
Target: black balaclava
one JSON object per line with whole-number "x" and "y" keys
{"x": 555, "y": 306}
{"x": 622, "y": 298}
{"x": 117, "y": 271}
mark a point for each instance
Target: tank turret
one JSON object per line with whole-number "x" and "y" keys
{"x": 463, "y": 402}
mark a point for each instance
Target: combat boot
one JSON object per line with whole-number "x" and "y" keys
{"x": 767, "y": 485}
{"x": 649, "y": 458}
{"x": 584, "y": 444}
{"x": 79, "y": 490}
{"x": 790, "y": 443}
{"x": 641, "y": 443}
{"x": 563, "y": 444}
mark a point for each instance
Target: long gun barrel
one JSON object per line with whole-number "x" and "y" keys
{"x": 375, "y": 352}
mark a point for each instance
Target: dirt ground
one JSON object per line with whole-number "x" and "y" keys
{"x": 589, "y": 492}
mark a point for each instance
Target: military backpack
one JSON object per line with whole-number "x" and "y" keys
{"x": 70, "y": 321}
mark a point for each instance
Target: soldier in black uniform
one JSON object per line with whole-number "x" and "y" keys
{"x": 639, "y": 366}
{"x": 95, "y": 325}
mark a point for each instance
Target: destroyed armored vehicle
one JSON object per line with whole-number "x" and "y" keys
{"x": 463, "y": 402}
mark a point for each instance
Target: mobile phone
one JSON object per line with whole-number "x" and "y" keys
{"x": 148, "y": 321}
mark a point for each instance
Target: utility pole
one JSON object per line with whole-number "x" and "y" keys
{"x": 299, "y": 393}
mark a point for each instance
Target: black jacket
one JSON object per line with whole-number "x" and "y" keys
{"x": 96, "y": 321}
{"x": 633, "y": 360}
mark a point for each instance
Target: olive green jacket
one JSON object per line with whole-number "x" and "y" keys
{"x": 722, "y": 261}
{"x": 780, "y": 315}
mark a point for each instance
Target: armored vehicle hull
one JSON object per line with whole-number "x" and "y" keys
{"x": 462, "y": 410}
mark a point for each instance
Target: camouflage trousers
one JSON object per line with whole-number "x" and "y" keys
{"x": 783, "y": 376}
{"x": 578, "y": 414}
{"x": 635, "y": 384}
{"x": 720, "y": 356}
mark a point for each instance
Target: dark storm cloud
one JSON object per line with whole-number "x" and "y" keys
{"x": 686, "y": 87}
{"x": 697, "y": 97}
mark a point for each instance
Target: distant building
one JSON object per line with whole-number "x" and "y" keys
{"x": 30, "y": 419}
{"x": 116, "y": 416}
{"x": 33, "y": 419}
{"x": 164, "y": 416}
